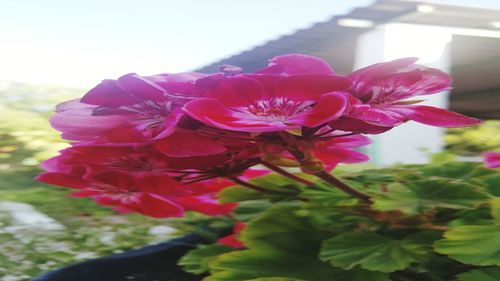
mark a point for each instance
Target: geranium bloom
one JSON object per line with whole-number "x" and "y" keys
{"x": 129, "y": 109}
{"x": 154, "y": 196}
{"x": 270, "y": 102}
{"x": 138, "y": 161}
{"x": 492, "y": 159}
{"x": 381, "y": 92}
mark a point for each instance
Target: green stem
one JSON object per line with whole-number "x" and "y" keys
{"x": 247, "y": 184}
{"x": 286, "y": 174}
{"x": 342, "y": 186}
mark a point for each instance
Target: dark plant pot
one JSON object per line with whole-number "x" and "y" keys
{"x": 151, "y": 263}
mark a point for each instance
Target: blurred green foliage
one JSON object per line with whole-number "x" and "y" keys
{"x": 474, "y": 140}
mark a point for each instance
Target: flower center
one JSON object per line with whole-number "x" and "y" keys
{"x": 278, "y": 109}
{"x": 152, "y": 112}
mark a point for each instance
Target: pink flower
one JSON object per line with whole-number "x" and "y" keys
{"x": 154, "y": 196}
{"x": 232, "y": 239}
{"x": 492, "y": 159}
{"x": 137, "y": 161}
{"x": 269, "y": 103}
{"x": 382, "y": 90}
{"x": 127, "y": 110}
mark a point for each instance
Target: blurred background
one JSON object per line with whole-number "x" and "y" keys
{"x": 52, "y": 51}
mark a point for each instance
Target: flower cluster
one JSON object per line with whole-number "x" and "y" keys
{"x": 160, "y": 145}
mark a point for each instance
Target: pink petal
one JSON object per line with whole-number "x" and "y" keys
{"x": 163, "y": 185}
{"x": 310, "y": 87}
{"x": 159, "y": 207}
{"x": 205, "y": 205}
{"x": 170, "y": 123}
{"x": 186, "y": 144}
{"x": 329, "y": 107}
{"x": 116, "y": 179}
{"x": 268, "y": 83}
{"x": 294, "y": 64}
{"x": 72, "y": 104}
{"x": 125, "y": 133}
{"x": 382, "y": 69}
{"x": 348, "y": 141}
{"x": 357, "y": 126}
{"x": 62, "y": 179}
{"x": 437, "y": 117}
{"x": 178, "y": 83}
{"x": 492, "y": 159}
{"x": 140, "y": 88}
{"x": 85, "y": 193}
{"x": 378, "y": 116}
{"x": 197, "y": 162}
{"x": 233, "y": 91}
{"x": 231, "y": 241}
{"x": 108, "y": 93}
{"x": 82, "y": 125}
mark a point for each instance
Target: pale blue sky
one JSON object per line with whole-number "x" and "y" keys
{"x": 80, "y": 42}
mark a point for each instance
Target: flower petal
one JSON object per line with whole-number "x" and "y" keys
{"x": 309, "y": 87}
{"x": 80, "y": 124}
{"x": 231, "y": 91}
{"x": 357, "y": 126}
{"x": 437, "y": 116}
{"x": 329, "y": 107}
{"x": 179, "y": 83}
{"x": 378, "y": 70}
{"x": 492, "y": 159}
{"x": 293, "y": 64}
{"x": 204, "y": 204}
{"x": 62, "y": 179}
{"x": 158, "y": 207}
{"x": 186, "y": 144}
{"x": 108, "y": 93}
{"x": 140, "y": 88}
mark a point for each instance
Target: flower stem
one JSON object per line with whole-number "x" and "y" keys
{"x": 247, "y": 184}
{"x": 286, "y": 174}
{"x": 327, "y": 177}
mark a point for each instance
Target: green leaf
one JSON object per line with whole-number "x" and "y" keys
{"x": 249, "y": 209}
{"x": 325, "y": 195}
{"x": 282, "y": 227}
{"x": 493, "y": 184}
{"x": 239, "y": 194}
{"x": 196, "y": 261}
{"x": 495, "y": 209}
{"x": 456, "y": 170}
{"x": 472, "y": 244}
{"x": 375, "y": 252}
{"x": 282, "y": 244}
{"x": 419, "y": 196}
{"x": 274, "y": 263}
{"x": 279, "y": 188}
{"x": 483, "y": 274}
